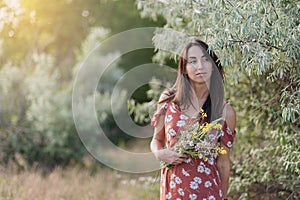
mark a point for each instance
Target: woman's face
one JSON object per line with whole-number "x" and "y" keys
{"x": 199, "y": 65}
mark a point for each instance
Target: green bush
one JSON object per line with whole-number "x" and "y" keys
{"x": 36, "y": 119}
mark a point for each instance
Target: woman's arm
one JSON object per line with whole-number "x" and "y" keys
{"x": 157, "y": 144}
{"x": 158, "y": 141}
{"x": 223, "y": 161}
{"x": 158, "y": 148}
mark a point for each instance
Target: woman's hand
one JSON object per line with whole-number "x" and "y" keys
{"x": 171, "y": 157}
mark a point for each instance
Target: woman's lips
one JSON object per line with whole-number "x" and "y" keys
{"x": 201, "y": 74}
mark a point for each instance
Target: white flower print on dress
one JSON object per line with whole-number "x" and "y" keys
{"x": 172, "y": 109}
{"x": 172, "y": 184}
{"x": 228, "y": 131}
{"x": 168, "y": 128}
{"x": 220, "y": 193}
{"x": 207, "y": 171}
{"x": 211, "y": 197}
{"x": 169, "y": 118}
{"x": 215, "y": 182}
{"x": 165, "y": 105}
{"x": 180, "y": 123}
{"x": 193, "y": 197}
{"x": 207, "y": 184}
{"x": 178, "y": 180}
{"x": 189, "y": 180}
{"x": 168, "y": 195}
{"x": 184, "y": 172}
{"x": 173, "y": 175}
{"x": 183, "y": 117}
{"x": 202, "y": 163}
{"x": 211, "y": 161}
{"x": 169, "y": 137}
{"x": 200, "y": 169}
{"x": 194, "y": 185}
{"x": 229, "y": 144}
{"x": 198, "y": 180}
{"x": 172, "y": 132}
{"x": 180, "y": 191}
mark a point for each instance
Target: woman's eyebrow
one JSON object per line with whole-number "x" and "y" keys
{"x": 194, "y": 57}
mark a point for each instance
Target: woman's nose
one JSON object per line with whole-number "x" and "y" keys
{"x": 197, "y": 65}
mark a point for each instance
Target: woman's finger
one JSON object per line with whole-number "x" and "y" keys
{"x": 182, "y": 156}
{"x": 179, "y": 160}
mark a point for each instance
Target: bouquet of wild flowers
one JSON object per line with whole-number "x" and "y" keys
{"x": 199, "y": 141}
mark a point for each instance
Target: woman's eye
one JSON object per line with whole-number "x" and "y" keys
{"x": 193, "y": 62}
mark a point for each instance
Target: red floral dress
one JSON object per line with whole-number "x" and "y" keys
{"x": 194, "y": 179}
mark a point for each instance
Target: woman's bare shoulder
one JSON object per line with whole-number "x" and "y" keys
{"x": 230, "y": 115}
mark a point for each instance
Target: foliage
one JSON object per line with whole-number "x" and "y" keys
{"x": 36, "y": 114}
{"x": 42, "y": 47}
{"x": 142, "y": 112}
{"x": 258, "y": 44}
{"x": 44, "y": 132}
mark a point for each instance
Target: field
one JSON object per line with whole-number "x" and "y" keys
{"x": 80, "y": 184}
{"x": 76, "y": 184}
{"x": 92, "y": 181}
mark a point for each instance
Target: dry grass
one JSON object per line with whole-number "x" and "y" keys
{"x": 75, "y": 184}
{"x": 78, "y": 184}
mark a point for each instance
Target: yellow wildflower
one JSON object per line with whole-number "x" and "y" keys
{"x": 205, "y": 159}
{"x": 217, "y": 126}
{"x": 222, "y": 151}
{"x": 203, "y": 114}
{"x": 206, "y": 127}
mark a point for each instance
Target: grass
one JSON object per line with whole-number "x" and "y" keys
{"x": 75, "y": 183}
{"x": 78, "y": 184}
{"x": 95, "y": 183}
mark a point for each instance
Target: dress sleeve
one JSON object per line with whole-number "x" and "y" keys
{"x": 161, "y": 110}
{"x": 227, "y": 137}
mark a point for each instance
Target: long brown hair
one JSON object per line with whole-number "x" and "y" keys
{"x": 181, "y": 91}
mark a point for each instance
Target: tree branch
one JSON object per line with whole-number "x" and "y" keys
{"x": 274, "y": 9}
{"x": 267, "y": 44}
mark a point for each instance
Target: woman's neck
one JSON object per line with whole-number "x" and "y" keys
{"x": 200, "y": 92}
{"x": 199, "y": 95}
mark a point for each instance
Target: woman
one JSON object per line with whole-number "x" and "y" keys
{"x": 199, "y": 84}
